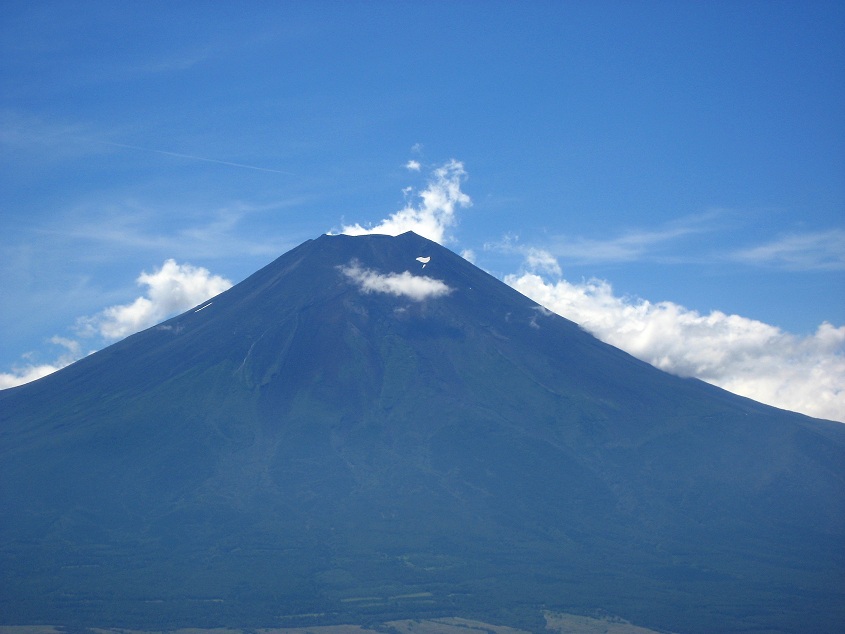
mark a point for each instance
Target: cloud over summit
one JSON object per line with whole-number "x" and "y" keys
{"x": 414, "y": 287}
{"x": 434, "y": 212}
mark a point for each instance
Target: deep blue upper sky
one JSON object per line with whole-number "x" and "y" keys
{"x": 687, "y": 152}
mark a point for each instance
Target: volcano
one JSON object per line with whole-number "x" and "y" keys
{"x": 372, "y": 428}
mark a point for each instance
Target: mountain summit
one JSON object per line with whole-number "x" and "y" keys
{"x": 373, "y": 428}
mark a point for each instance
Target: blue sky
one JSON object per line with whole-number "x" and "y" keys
{"x": 657, "y": 161}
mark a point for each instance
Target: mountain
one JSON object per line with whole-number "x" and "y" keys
{"x": 354, "y": 435}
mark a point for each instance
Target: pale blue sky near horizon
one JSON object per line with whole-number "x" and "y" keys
{"x": 691, "y": 152}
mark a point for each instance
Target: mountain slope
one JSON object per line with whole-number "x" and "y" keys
{"x": 305, "y": 445}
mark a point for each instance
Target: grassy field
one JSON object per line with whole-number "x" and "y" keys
{"x": 556, "y": 623}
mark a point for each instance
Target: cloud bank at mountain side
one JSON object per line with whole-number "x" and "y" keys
{"x": 745, "y": 356}
{"x": 171, "y": 289}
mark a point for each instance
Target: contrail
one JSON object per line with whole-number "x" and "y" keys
{"x": 188, "y": 156}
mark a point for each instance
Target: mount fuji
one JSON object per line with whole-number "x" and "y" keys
{"x": 371, "y": 428}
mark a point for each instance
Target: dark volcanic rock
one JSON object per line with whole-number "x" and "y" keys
{"x": 299, "y": 450}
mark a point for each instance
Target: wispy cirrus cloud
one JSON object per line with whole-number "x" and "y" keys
{"x": 435, "y": 211}
{"x": 405, "y": 284}
{"x": 176, "y": 61}
{"x": 632, "y": 245}
{"x": 807, "y": 251}
{"x": 813, "y": 251}
{"x": 54, "y": 140}
{"x": 49, "y": 140}
{"x": 199, "y": 233}
{"x": 624, "y": 248}
{"x": 189, "y": 157}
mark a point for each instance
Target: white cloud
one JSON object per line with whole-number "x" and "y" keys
{"x": 536, "y": 260}
{"x": 745, "y": 356}
{"x": 19, "y": 376}
{"x": 542, "y": 261}
{"x": 434, "y": 214}
{"x": 413, "y": 166}
{"x": 171, "y": 289}
{"x": 415, "y": 287}
{"x": 31, "y": 371}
